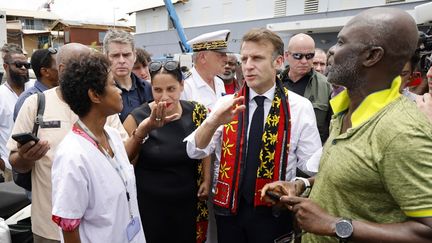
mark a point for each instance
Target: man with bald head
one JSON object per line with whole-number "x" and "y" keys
{"x": 301, "y": 78}
{"x": 374, "y": 183}
{"x": 57, "y": 120}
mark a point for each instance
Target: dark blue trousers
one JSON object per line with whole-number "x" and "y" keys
{"x": 254, "y": 225}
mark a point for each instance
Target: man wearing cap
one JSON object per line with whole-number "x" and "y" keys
{"x": 205, "y": 87}
{"x": 302, "y": 79}
{"x": 209, "y": 59}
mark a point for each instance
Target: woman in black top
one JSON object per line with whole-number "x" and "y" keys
{"x": 167, "y": 179}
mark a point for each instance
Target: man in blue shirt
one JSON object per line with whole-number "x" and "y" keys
{"x": 119, "y": 47}
{"x": 43, "y": 63}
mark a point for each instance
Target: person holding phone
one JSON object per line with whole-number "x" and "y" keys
{"x": 167, "y": 179}
{"x": 375, "y": 173}
{"x": 93, "y": 182}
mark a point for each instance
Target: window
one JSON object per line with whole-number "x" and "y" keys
{"x": 170, "y": 23}
{"x": 280, "y": 8}
{"x": 29, "y": 24}
{"x": 66, "y": 37}
{"x": 101, "y": 36}
{"x": 42, "y": 40}
{"x": 311, "y": 6}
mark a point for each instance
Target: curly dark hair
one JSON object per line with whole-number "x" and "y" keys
{"x": 87, "y": 72}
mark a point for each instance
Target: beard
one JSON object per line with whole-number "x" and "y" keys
{"x": 17, "y": 78}
{"x": 346, "y": 74}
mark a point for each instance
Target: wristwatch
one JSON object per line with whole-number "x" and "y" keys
{"x": 344, "y": 229}
{"x": 307, "y": 186}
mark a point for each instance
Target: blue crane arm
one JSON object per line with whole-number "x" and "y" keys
{"x": 177, "y": 25}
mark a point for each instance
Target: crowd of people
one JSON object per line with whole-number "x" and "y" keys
{"x": 334, "y": 147}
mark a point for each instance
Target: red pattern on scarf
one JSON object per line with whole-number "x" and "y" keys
{"x": 229, "y": 173}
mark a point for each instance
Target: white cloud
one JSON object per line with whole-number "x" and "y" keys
{"x": 81, "y": 10}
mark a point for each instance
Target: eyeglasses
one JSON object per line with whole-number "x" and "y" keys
{"x": 157, "y": 65}
{"x": 299, "y": 56}
{"x": 19, "y": 64}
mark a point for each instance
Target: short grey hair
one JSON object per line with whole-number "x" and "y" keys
{"x": 117, "y": 36}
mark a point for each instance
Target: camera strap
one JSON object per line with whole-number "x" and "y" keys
{"x": 40, "y": 111}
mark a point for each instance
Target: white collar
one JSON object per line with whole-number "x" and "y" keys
{"x": 269, "y": 94}
{"x": 198, "y": 80}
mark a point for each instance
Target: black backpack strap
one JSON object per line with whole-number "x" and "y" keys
{"x": 40, "y": 111}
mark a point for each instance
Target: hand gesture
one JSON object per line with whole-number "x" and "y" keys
{"x": 283, "y": 188}
{"x": 157, "y": 118}
{"x": 310, "y": 217}
{"x": 227, "y": 110}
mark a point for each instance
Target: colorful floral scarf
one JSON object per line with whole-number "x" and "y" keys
{"x": 198, "y": 115}
{"x": 273, "y": 156}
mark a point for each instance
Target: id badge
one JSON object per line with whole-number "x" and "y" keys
{"x": 133, "y": 228}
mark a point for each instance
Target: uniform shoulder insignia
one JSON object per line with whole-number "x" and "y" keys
{"x": 187, "y": 74}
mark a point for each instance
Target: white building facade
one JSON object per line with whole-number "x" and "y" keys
{"x": 322, "y": 19}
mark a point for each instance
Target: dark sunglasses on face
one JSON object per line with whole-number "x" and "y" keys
{"x": 157, "y": 65}
{"x": 19, "y": 64}
{"x": 299, "y": 56}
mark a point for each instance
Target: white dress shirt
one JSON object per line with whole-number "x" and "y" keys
{"x": 196, "y": 89}
{"x": 304, "y": 141}
{"x": 8, "y": 99}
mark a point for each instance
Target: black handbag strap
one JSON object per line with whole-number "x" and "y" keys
{"x": 40, "y": 110}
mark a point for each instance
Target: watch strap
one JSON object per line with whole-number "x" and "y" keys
{"x": 307, "y": 186}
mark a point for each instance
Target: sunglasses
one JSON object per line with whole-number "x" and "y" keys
{"x": 157, "y": 65}
{"x": 299, "y": 56}
{"x": 19, "y": 64}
